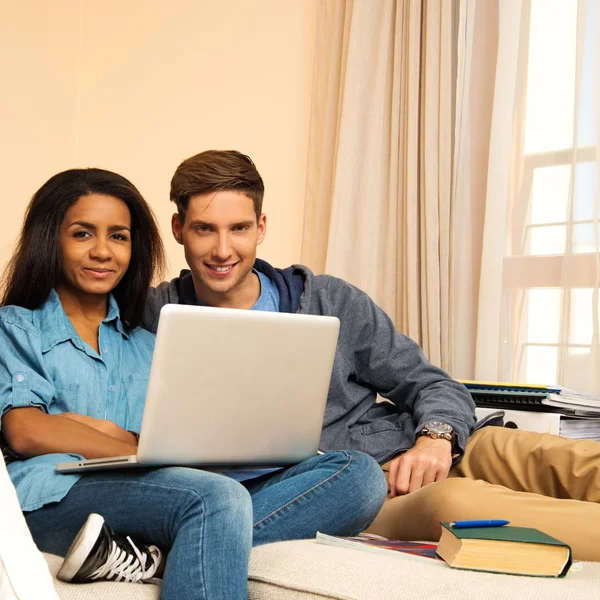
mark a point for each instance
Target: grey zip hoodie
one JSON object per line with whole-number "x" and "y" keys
{"x": 371, "y": 358}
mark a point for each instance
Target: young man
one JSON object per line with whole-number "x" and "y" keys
{"x": 421, "y": 436}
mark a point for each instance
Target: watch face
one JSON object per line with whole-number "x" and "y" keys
{"x": 438, "y": 427}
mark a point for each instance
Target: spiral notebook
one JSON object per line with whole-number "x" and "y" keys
{"x": 515, "y": 396}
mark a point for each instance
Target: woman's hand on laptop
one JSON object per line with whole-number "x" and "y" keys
{"x": 104, "y": 426}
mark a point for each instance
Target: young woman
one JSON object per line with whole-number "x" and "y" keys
{"x": 73, "y": 377}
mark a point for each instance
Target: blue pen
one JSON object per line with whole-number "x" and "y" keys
{"x": 465, "y": 524}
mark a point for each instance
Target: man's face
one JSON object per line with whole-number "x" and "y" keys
{"x": 220, "y": 235}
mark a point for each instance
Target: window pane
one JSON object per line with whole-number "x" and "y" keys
{"x": 585, "y": 205}
{"x": 539, "y": 365}
{"x": 551, "y": 76}
{"x": 576, "y": 369}
{"x": 546, "y": 240}
{"x": 581, "y": 323}
{"x": 584, "y": 240}
{"x": 550, "y": 194}
{"x": 543, "y": 313}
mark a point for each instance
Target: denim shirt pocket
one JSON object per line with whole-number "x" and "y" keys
{"x": 67, "y": 398}
{"x": 135, "y": 388}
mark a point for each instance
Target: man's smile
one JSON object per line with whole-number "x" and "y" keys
{"x": 220, "y": 270}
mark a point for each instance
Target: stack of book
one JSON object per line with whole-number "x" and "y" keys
{"x": 559, "y": 410}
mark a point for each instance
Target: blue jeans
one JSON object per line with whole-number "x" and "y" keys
{"x": 208, "y": 523}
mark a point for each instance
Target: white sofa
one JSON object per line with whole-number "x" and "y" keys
{"x": 304, "y": 569}
{"x": 288, "y": 571}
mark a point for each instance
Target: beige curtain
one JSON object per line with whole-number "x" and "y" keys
{"x": 538, "y": 309}
{"x": 379, "y": 184}
{"x": 477, "y": 49}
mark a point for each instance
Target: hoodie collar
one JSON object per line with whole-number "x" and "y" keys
{"x": 291, "y": 284}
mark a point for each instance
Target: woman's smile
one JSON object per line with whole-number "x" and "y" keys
{"x": 98, "y": 273}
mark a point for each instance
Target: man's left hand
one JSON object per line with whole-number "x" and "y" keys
{"x": 427, "y": 461}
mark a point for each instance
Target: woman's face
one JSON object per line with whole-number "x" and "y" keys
{"x": 95, "y": 240}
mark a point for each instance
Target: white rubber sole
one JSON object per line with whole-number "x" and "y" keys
{"x": 81, "y": 547}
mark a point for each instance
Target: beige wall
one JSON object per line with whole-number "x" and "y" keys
{"x": 137, "y": 86}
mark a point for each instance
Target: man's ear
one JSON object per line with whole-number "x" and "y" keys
{"x": 176, "y": 227}
{"x": 262, "y": 228}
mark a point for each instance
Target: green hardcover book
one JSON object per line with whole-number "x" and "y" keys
{"x": 512, "y": 550}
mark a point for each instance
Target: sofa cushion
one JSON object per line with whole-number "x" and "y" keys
{"x": 304, "y": 569}
{"x": 104, "y": 590}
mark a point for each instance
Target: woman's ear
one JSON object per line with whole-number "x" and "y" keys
{"x": 176, "y": 227}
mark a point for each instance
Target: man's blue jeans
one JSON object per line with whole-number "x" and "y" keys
{"x": 208, "y": 523}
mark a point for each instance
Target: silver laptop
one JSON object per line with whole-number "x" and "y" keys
{"x": 232, "y": 388}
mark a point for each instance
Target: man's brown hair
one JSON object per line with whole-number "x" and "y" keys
{"x": 213, "y": 171}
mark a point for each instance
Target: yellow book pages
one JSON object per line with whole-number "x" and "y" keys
{"x": 511, "y": 557}
{"x": 504, "y": 549}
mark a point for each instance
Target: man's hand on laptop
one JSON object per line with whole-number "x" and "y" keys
{"x": 427, "y": 461}
{"x": 104, "y": 426}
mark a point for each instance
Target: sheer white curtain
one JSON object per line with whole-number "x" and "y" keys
{"x": 379, "y": 184}
{"x": 538, "y": 309}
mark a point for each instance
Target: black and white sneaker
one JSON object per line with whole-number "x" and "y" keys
{"x": 99, "y": 554}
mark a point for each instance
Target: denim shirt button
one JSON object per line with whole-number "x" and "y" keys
{"x": 20, "y": 378}
{"x": 112, "y": 388}
{"x": 104, "y": 350}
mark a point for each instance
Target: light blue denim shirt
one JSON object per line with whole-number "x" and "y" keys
{"x": 44, "y": 363}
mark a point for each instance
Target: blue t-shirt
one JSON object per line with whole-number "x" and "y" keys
{"x": 44, "y": 363}
{"x": 268, "y": 300}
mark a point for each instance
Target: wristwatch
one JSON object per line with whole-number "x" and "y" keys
{"x": 438, "y": 430}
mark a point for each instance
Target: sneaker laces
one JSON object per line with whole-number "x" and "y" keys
{"x": 124, "y": 565}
